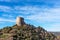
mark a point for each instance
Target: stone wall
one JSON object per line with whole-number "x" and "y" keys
{"x": 20, "y": 21}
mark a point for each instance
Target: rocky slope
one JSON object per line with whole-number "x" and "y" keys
{"x": 25, "y": 32}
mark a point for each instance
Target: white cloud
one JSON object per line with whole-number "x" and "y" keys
{"x": 7, "y": 15}
{"x": 54, "y": 27}
{"x": 6, "y": 9}
{"x": 6, "y": 20}
{"x": 43, "y": 15}
{"x": 18, "y": 9}
{"x": 46, "y": 15}
{"x": 37, "y": 13}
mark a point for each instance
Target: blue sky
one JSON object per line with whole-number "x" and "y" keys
{"x": 44, "y": 13}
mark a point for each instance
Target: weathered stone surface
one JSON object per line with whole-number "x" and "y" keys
{"x": 20, "y": 21}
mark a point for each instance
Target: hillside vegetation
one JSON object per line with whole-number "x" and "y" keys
{"x": 25, "y": 32}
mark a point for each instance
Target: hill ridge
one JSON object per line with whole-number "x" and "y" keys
{"x": 26, "y": 32}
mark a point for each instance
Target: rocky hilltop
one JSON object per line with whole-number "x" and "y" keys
{"x": 23, "y": 31}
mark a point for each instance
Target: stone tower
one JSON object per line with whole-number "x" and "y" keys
{"x": 20, "y": 21}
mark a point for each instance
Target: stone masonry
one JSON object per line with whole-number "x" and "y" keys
{"x": 20, "y": 21}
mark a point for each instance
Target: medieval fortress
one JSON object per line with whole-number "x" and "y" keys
{"x": 20, "y": 21}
